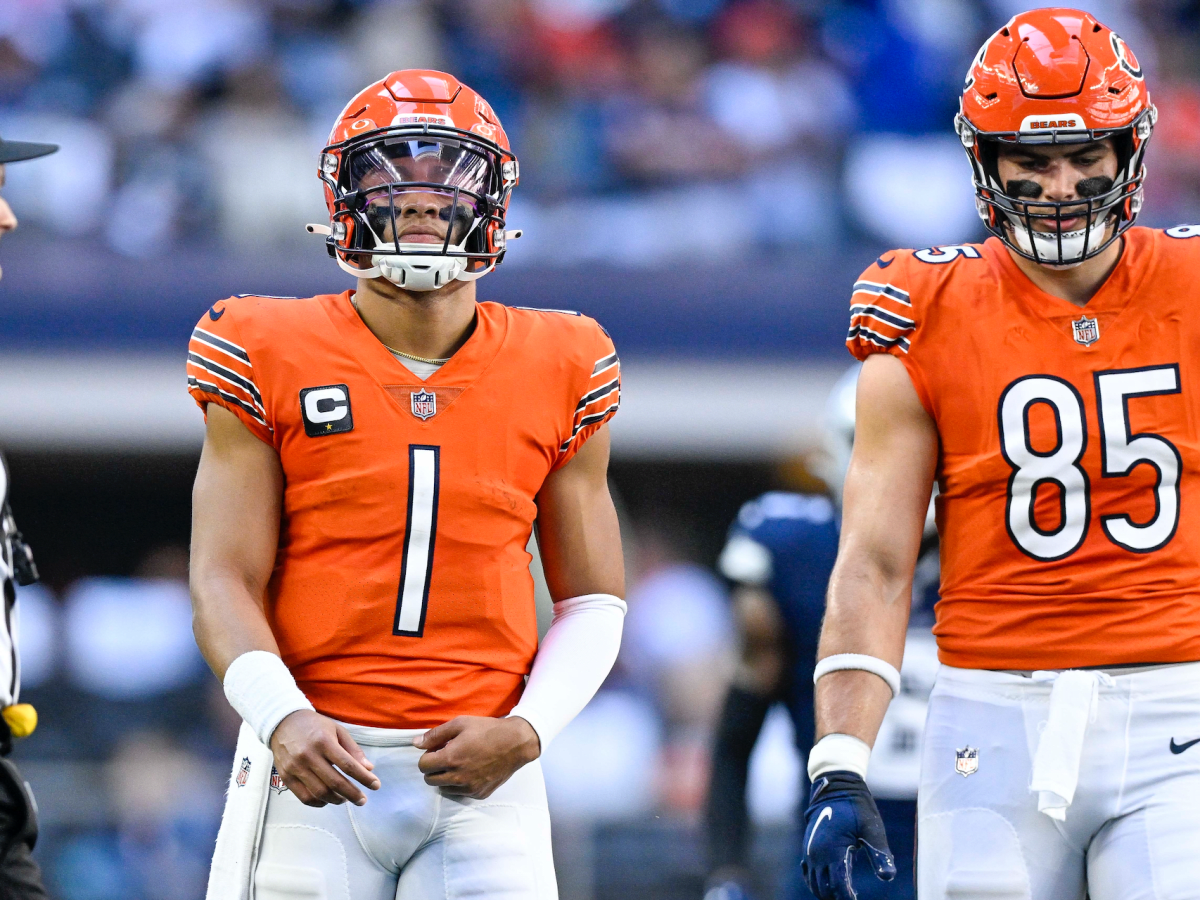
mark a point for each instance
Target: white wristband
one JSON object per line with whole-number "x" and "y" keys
{"x": 262, "y": 690}
{"x": 841, "y": 661}
{"x": 838, "y": 753}
{"x": 572, "y": 662}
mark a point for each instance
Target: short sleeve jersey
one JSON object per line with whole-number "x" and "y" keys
{"x": 401, "y": 594}
{"x": 1069, "y": 464}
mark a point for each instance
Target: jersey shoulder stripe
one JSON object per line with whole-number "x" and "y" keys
{"x": 860, "y": 331}
{"x": 593, "y": 419}
{"x": 208, "y": 387}
{"x": 225, "y": 374}
{"x": 881, "y": 310}
{"x": 872, "y": 311}
{"x": 599, "y": 393}
{"x": 601, "y": 400}
{"x": 217, "y": 343}
{"x": 603, "y": 365}
{"x": 219, "y": 369}
{"x": 887, "y": 290}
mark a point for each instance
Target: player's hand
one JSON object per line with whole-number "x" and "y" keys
{"x": 307, "y": 747}
{"x": 471, "y": 756}
{"x": 841, "y": 817}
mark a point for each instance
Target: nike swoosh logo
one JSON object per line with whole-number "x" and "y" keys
{"x": 882, "y": 264}
{"x": 826, "y": 813}
{"x": 1179, "y": 748}
{"x": 214, "y": 314}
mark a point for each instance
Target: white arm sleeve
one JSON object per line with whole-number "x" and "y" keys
{"x": 572, "y": 662}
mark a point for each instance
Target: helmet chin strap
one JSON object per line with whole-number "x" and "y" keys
{"x": 1047, "y": 242}
{"x": 418, "y": 273}
{"x": 424, "y": 272}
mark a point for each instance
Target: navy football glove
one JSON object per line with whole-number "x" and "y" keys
{"x": 841, "y": 817}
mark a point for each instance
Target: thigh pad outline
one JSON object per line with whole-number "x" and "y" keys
{"x": 970, "y": 854}
{"x": 287, "y": 881}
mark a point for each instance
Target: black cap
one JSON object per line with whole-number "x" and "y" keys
{"x": 15, "y": 151}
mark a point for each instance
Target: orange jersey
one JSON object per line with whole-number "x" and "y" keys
{"x": 401, "y": 595}
{"x": 1069, "y": 469}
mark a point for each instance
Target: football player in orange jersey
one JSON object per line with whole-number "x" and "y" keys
{"x": 1045, "y": 378}
{"x": 373, "y": 466}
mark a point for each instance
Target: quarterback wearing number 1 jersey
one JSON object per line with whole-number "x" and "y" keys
{"x": 401, "y": 595}
{"x": 375, "y": 464}
{"x": 1047, "y": 381}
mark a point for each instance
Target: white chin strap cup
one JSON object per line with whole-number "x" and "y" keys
{"x": 426, "y": 272}
{"x": 417, "y": 273}
{"x": 1073, "y": 242}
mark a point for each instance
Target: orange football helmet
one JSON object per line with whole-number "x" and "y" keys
{"x": 418, "y": 174}
{"x": 1056, "y": 76}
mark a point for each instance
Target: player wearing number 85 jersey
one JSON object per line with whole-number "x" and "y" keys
{"x": 374, "y": 465}
{"x": 1047, "y": 379}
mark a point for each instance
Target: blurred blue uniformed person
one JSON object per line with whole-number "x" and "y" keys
{"x": 778, "y": 558}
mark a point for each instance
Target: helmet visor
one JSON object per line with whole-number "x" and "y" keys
{"x": 428, "y": 161}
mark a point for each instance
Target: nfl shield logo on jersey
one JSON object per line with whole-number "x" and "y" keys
{"x": 243, "y": 772}
{"x": 277, "y": 784}
{"x": 424, "y": 404}
{"x": 1087, "y": 331}
{"x": 966, "y": 761}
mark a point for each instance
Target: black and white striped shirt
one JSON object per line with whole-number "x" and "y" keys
{"x": 16, "y": 567}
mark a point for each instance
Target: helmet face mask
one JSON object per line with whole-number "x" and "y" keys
{"x": 438, "y": 193}
{"x": 422, "y": 201}
{"x": 1056, "y": 77}
{"x": 1014, "y": 211}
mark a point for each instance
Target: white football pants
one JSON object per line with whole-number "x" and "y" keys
{"x": 410, "y": 841}
{"x": 1132, "y": 831}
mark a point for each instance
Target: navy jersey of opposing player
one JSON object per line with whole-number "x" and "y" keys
{"x": 799, "y": 534}
{"x": 785, "y": 544}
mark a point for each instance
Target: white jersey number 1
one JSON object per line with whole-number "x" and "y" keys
{"x": 420, "y": 533}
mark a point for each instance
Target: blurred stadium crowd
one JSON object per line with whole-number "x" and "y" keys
{"x": 649, "y": 131}
{"x": 185, "y": 121}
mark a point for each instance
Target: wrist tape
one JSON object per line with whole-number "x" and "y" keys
{"x": 842, "y": 661}
{"x": 838, "y": 752}
{"x": 262, "y": 690}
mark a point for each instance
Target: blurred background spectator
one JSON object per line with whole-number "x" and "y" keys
{"x": 706, "y": 177}
{"x": 196, "y": 122}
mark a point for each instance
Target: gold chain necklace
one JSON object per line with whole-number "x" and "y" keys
{"x": 415, "y": 358}
{"x": 412, "y": 356}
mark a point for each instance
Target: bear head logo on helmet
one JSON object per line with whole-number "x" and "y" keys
{"x": 1056, "y": 76}
{"x": 418, "y": 174}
